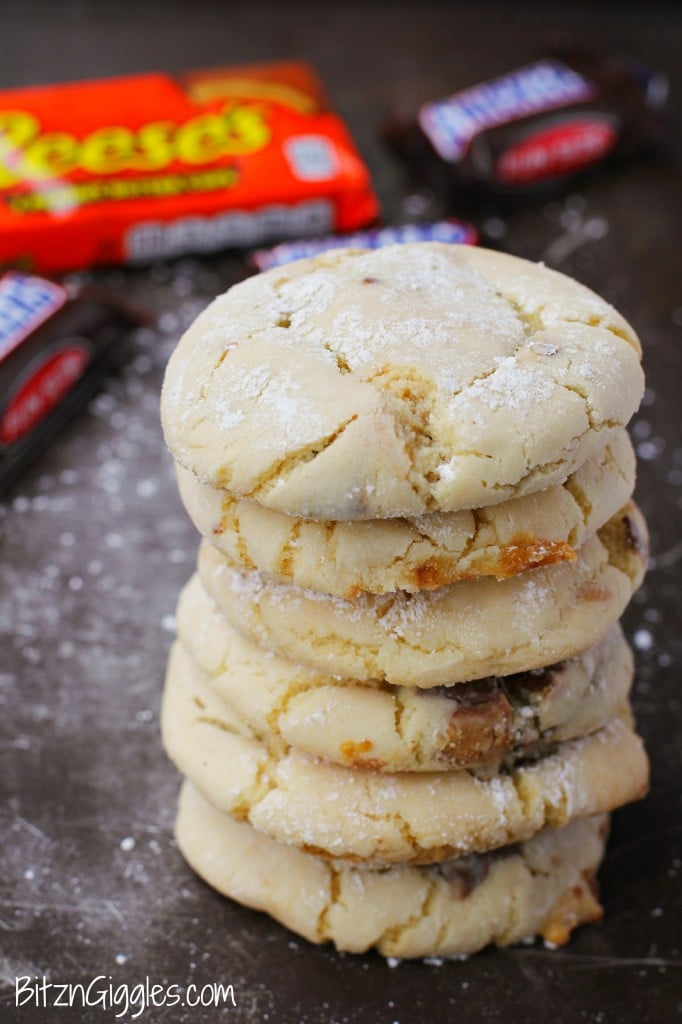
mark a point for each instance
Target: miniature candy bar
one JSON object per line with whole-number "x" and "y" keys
{"x": 535, "y": 127}
{"x": 55, "y": 345}
{"x": 451, "y": 230}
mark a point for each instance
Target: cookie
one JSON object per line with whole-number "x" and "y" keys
{"x": 461, "y": 632}
{"x": 417, "y": 817}
{"x": 393, "y": 728}
{"x": 348, "y": 558}
{"x": 411, "y": 379}
{"x": 544, "y": 886}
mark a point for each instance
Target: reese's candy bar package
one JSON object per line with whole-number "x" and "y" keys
{"x": 450, "y": 230}
{"x": 55, "y": 346}
{"x": 151, "y": 166}
{"x": 532, "y": 129}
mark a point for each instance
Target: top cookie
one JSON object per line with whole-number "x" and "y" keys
{"x": 411, "y": 379}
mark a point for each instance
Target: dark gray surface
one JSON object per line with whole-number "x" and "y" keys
{"x": 95, "y": 546}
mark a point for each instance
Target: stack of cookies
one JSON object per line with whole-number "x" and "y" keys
{"x": 399, "y": 696}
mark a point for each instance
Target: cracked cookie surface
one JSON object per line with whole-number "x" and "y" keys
{"x": 412, "y": 379}
{"x": 418, "y": 817}
{"x": 392, "y": 728}
{"x": 378, "y": 556}
{"x": 461, "y": 632}
{"x": 544, "y": 886}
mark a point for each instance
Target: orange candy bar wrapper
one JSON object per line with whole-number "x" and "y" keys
{"x": 150, "y": 166}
